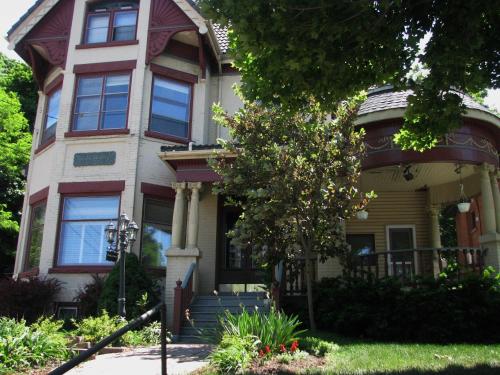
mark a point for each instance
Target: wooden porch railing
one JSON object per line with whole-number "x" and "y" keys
{"x": 183, "y": 296}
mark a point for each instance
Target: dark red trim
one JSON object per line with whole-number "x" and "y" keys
{"x": 53, "y": 85}
{"x": 80, "y": 269}
{"x": 45, "y": 145}
{"x": 182, "y": 50}
{"x": 115, "y": 43}
{"x": 165, "y": 137}
{"x": 39, "y": 196}
{"x": 106, "y": 67}
{"x": 91, "y": 187}
{"x": 29, "y": 273}
{"x": 174, "y": 74}
{"x": 93, "y": 133}
{"x": 157, "y": 191}
{"x": 229, "y": 69}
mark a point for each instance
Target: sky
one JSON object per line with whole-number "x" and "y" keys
{"x": 11, "y": 10}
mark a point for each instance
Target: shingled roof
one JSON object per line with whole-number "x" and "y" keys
{"x": 221, "y": 35}
{"x": 385, "y": 98}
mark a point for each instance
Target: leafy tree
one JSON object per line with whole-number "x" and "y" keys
{"x": 295, "y": 175}
{"x": 15, "y": 144}
{"x": 289, "y": 50}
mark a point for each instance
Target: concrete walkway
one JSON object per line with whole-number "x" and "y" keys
{"x": 181, "y": 359}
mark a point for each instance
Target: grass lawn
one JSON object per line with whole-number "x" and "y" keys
{"x": 365, "y": 357}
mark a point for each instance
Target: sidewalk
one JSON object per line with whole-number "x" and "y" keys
{"x": 181, "y": 359}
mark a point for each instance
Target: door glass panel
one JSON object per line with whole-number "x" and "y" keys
{"x": 234, "y": 255}
{"x": 401, "y": 239}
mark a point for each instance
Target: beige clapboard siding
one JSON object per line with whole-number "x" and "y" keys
{"x": 389, "y": 208}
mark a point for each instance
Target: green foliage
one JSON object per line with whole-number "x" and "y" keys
{"x": 445, "y": 310}
{"x": 146, "y": 336}
{"x": 289, "y": 51}
{"x": 137, "y": 282}
{"x": 317, "y": 346}
{"x": 287, "y": 358}
{"x": 271, "y": 328}
{"x": 96, "y": 328}
{"x": 88, "y": 296}
{"x": 234, "y": 353}
{"x": 23, "y": 347}
{"x": 28, "y": 299}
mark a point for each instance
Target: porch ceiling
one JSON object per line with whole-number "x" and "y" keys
{"x": 391, "y": 178}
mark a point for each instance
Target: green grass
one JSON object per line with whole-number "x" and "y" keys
{"x": 364, "y": 357}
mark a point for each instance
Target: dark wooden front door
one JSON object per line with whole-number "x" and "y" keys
{"x": 236, "y": 265}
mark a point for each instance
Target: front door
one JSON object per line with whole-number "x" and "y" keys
{"x": 237, "y": 268}
{"x": 401, "y": 242}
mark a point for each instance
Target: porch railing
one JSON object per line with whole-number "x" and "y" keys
{"x": 183, "y": 296}
{"x": 293, "y": 279}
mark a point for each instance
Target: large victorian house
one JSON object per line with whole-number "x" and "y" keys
{"x": 124, "y": 125}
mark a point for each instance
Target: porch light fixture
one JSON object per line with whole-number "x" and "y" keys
{"x": 463, "y": 204}
{"x": 362, "y": 215}
{"x": 408, "y": 176}
{"x": 120, "y": 238}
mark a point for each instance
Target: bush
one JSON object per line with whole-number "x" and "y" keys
{"x": 272, "y": 329}
{"x": 234, "y": 353}
{"x": 28, "y": 299}
{"x": 433, "y": 311}
{"x": 88, "y": 297}
{"x": 137, "y": 282}
{"x": 148, "y": 335}
{"x": 23, "y": 347}
{"x": 94, "y": 329}
{"x": 317, "y": 347}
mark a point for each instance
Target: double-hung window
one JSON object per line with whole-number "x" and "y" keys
{"x": 111, "y": 22}
{"x": 82, "y": 240}
{"x": 35, "y": 236}
{"x": 156, "y": 232}
{"x": 171, "y": 107}
{"x": 51, "y": 116}
{"x": 101, "y": 102}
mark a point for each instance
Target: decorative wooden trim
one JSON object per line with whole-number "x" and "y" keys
{"x": 182, "y": 50}
{"x": 29, "y": 273}
{"x": 39, "y": 196}
{"x": 45, "y": 145}
{"x": 80, "y": 269}
{"x": 174, "y": 74}
{"x": 165, "y": 137}
{"x": 91, "y": 187}
{"x": 54, "y": 84}
{"x": 229, "y": 69}
{"x": 115, "y": 43}
{"x": 157, "y": 191}
{"x": 94, "y": 133}
{"x": 106, "y": 67}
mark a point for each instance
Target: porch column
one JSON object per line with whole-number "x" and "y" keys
{"x": 490, "y": 239}
{"x": 435, "y": 237}
{"x": 192, "y": 230}
{"x": 496, "y": 197}
{"x": 178, "y": 216}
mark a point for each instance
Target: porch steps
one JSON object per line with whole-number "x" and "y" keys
{"x": 204, "y": 311}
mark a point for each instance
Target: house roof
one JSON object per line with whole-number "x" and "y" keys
{"x": 24, "y": 16}
{"x": 221, "y": 35}
{"x": 385, "y": 98}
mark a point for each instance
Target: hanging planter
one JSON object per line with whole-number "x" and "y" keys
{"x": 463, "y": 207}
{"x": 463, "y": 204}
{"x": 362, "y": 215}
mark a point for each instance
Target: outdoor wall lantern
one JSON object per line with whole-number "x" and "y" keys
{"x": 362, "y": 215}
{"x": 464, "y": 202}
{"x": 119, "y": 241}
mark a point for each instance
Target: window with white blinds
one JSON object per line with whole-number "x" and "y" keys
{"x": 82, "y": 240}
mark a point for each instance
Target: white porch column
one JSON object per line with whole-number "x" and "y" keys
{"x": 435, "y": 237}
{"x": 178, "y": 216}
{"x": 496, "y": 197}
{"x": 193, "y": 219}
{"x": 490, "y": 239}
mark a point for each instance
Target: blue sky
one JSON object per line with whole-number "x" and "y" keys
{"x": 12, "y": 10}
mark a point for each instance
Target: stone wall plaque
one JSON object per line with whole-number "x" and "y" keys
{"x": 87, "y": 159}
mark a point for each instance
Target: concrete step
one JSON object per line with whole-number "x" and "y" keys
{"x": 217, "y": 309}
{"x": 191, "y": 339}
{"x": 229, "y": 303}
{"x": 201, "y": 323}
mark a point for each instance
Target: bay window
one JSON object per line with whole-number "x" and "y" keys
{"x": 156, "y": 232}
{"x": 81, "y": 238}
{"x": 101, "y": 102}
{"x": 171, "y": 107}
{"x": 51, "y": 116}
{"x": 35, "y": 236}
{"x": 111, "y": 21}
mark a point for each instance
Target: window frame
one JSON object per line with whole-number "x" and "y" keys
{"x": 179, "y": 77}
{"x": 99, "y": 130}
{"x": 42, "y": 142}
{"x": 32, "y": 207}
{"x": 77, "y": 268}
{"x": 151, "y": 197}
{"x": 109, "y": 36}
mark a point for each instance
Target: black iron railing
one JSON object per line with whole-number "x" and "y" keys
{"x": 136, "y": 323}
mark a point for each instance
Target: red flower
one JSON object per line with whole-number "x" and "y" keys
{"x": 294, "y": 347}
{"x": 268, "y": 349}
{"x": 261, "y": 353}
{"x": 282, "y": 348}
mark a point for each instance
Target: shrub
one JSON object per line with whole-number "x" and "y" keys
{"x": 272, "y": 329}
{"x": 317, "y": 347}
{"x": 24, "y": 347}
{"x": 137, "y": 282}
{"x": 28, "y": 299}
{"x": 445, "y": 310}
{"x": 94, "y": 329}
{"x": 148, "y": 335}
{"x": 88, "y": 296}
{"x": 234, "y": 353}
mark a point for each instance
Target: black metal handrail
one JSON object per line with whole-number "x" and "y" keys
{"x": 117, "y": 334}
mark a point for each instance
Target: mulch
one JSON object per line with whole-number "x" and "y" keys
{"x": 297, "y": 366}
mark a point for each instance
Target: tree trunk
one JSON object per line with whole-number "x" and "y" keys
{"x": 309, "y": 281}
